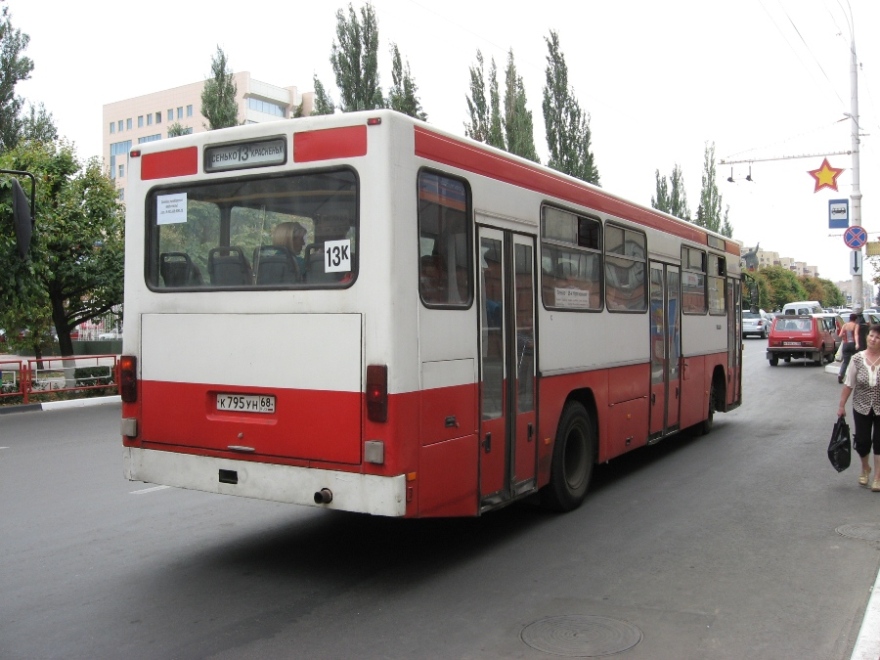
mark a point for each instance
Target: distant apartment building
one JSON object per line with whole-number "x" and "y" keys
{"x": 149, "y": 117}
{"x": 756, "y": 258}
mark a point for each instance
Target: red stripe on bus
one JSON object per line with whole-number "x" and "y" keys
{"x": 472, "y": 158}
{"x": 345, "y": 142}
{"x": 165, "y": 164}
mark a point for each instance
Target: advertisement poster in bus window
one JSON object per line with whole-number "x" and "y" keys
{"x": 171, "y": 209}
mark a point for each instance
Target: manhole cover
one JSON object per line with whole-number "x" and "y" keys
{"x": 861, "y": 531}
{"x": 578, "y": 636}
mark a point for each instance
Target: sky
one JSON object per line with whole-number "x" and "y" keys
{"x": 764, "y": 81}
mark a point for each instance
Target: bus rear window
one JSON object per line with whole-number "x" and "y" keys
{"x": 294, "y": 231}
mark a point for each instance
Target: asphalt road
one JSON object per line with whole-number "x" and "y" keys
{"x": 724, "y": 546}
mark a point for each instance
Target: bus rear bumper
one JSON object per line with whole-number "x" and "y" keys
{"x": 361, "y": 493}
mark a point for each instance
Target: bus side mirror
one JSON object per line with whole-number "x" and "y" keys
{"x": 24, "y": 223}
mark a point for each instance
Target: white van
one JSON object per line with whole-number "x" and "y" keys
{"x": 802, "y": 307}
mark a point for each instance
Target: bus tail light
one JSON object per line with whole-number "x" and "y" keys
{"x": 377, "y": 393}
{"x": 128, "y": 378}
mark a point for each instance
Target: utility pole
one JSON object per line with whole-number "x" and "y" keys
{"x": 856, "y": 197}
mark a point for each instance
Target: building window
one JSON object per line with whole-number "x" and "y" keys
{"x": 170, "y": 114}
{"x": 189, "y": 111}
{"x": 158, "y": 117}
{"x": 128, "y": 124}
{"x": 120, "y": 194}
{"x": 150, "y": 119}
{"x": 266, "y": 107}
{"x": 121, "y": 171}
{"x": 150, "y": 138}
{"x": 140, "y": 121}
{"x": 180, "y": 112}
{"x": 112, "y": 127}
{"x": 119, "y": 126}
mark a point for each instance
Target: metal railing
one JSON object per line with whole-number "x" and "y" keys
{"x": 57, "y": 377}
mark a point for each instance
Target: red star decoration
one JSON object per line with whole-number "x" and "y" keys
{"x": 826, "y": 176}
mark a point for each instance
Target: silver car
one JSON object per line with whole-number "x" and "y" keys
{"x": 755, "y": 324}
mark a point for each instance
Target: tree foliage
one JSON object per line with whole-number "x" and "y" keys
{"x": 75, "y": 269}
{"x": 323, "y": 103}
{"x": 355, "y": 60}
{"x": 709, "y": 211}
{"x": 38, "y": 125}
{"x": 218, "y": 95}
{"x": 519, "y": 134}
{"x": 403, "y": 93}
{"x": 478, "y": 107}
{"x": 567, "y": 126}
{"x": 671, "y": 195}
{"x": 14, "y": 67}
{"x": 781, "y": 286}
{"x": 176, "y": 129}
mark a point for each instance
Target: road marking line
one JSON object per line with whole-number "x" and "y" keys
{"x": 148, "y": 490}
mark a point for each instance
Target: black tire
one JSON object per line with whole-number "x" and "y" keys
{"x": 573, "y": 456}
{"x": 774, "y": 361}
{"x": 707, "y": 424}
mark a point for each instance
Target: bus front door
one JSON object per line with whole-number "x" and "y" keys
{"x": 665, "y": 350}
{"x": 508, "y": 433}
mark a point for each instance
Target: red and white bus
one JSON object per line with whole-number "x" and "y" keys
{"x": 363, "y": 312}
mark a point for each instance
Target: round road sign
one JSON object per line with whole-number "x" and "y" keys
{"x": 855, "y": 237}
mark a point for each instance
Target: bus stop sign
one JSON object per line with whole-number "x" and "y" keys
{"x": 855, "y": 237}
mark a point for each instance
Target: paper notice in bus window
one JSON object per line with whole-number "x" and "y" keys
{"x": 337, "y": 256}
{"x": 170, "y": 209}
{"x": 572, "y": 298}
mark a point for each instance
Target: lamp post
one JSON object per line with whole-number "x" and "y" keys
{"x": 858, "y": 295}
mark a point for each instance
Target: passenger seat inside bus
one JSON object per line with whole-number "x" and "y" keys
{"x": 275, "y": 264}
{"x": 177, "y": 270}
{"x": 315, "y": 265}
{"x": 227, "y": 266}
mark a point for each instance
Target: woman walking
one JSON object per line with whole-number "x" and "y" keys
{"x": 862, "y": 380}
{"x": 850, "y": 334}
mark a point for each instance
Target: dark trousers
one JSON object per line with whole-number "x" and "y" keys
{"x": 867, "y": 433}
{"x": 849, "y": 349}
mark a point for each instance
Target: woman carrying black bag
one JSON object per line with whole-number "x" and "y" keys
{"x": 862, "y": 380}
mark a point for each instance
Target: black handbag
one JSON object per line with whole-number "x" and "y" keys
{"x": 840, "y": 447}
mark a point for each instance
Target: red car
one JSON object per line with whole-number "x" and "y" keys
{"x": 808, "y": 337}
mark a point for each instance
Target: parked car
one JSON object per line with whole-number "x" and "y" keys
{"x": 803, "y": 336}
{"x": 110, "y": 335}
{"x": 755, "y": 324}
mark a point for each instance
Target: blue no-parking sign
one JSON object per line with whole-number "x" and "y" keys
{"x": 855, "y": 237}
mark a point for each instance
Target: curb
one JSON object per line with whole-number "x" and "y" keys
{"x": 61, "y": 405}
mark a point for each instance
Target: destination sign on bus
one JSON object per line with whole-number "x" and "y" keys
{"x": 246, "y": 154}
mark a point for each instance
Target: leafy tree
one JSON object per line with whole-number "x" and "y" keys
{"x": 782, "y": 286}
{"x": 671, "y": 195}
{"x": 661, "y": 201}
{"x": 323, "y": 102}
{"x": 39, "y": 125}
{"x": 177, "y": 129}
{"x": 825, "y": 291}
{"x": 218, "y": 96}
{"x": 567, "y": 126}
{"x": 402, "y": 95}
{"x": 478, "y": 109}
{"x": 496, "y": 136}
{"x": 709, "y": 211}
{"x": 355, "y": 59}
{"x": 75, "y": 269}
{"x": 518, "y": 128}
{"x": 13, "y": 67}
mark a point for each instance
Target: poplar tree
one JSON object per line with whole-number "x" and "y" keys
{"x": 567, "y": 126}
{"x": 355, "y": 60}
{"x": 709, "y": 211}
{"x": 485, "y": 124}
{"x": 518, "y": 128}
{"x": 13, "y": 67}
{"x": 323, "y": 102}
{"x": 402, "y": 95}
{"x": 218, "y": 95}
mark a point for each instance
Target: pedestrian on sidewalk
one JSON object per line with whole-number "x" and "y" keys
{"x": 850, "y": 334}
{"x": 862, "y": 380}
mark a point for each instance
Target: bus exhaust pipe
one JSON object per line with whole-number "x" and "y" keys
{"x": 324, "y": 496}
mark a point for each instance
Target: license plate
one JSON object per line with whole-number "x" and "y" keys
{"x": 791, "y": 343}
{"x": 249, "y": 403}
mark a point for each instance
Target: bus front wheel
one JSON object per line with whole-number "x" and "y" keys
{"x": 572, "y": 465}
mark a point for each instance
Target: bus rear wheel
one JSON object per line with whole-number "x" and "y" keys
{"x": 573, "y": 455}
